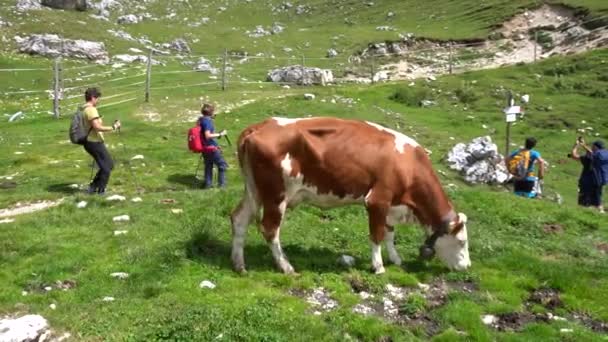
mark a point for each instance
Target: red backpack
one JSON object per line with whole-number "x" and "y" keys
{"x": 195, "y": 141}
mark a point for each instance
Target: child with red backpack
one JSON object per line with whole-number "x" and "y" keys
{"x": 212, "y": 154}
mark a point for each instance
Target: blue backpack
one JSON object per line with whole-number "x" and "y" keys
{"x": 600, "y": 163}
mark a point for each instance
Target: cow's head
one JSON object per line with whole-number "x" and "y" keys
{"x": 451, "y": 245}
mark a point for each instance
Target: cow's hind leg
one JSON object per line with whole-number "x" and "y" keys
{"x": 240, "y": 218}
{"x": 271, "y": 221}
{"x": 377, "y": 224}
{"x": 389, "y": 240}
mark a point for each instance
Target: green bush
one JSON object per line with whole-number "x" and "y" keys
{"x": 410, "y": 96}
{"x": 466, "y": 94}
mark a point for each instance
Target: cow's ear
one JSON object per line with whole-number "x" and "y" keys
{"x": 456, "y": 226}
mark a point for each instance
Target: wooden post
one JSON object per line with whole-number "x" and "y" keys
{"x": 450, "y": 58}
{"x": 149, "y": 76}
{"x": 224, "y": 69}
{"x": 302, "y": 71}
{"x": 535, "y": 43}
{"x": 56, "y": 87}
{"x": 508, "y": 142}
{"x": 373, "y": 68}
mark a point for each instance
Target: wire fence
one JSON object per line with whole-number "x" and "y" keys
{"x": 226, "y": 71}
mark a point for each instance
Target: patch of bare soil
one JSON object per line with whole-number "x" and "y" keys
{"x": 63, "y": 285}
{"x": 516, "y": 321}
{"x": 318, "y": 298}
{"x": 27, "y": 208}
{"x": 553, "y": 228}
{"x": 602, "y": 247}
{"x": 590, "y": 323}
{"x": 547, "y": 297}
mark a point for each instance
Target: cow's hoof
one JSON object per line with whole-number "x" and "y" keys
{"x": 378, "y": 270}
{"x": 240, "y": 270}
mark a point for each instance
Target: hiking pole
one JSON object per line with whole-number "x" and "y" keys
{"x": 128, "y": 162}
{"x": 228, "y": 140}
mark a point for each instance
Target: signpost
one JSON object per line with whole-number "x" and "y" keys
{"x": 511, "y": 113}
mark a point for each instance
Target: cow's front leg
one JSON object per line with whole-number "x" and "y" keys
{"x": 271, "y": 222}
{"x": 389, "y": 240}
{"x": 377, "y": 222}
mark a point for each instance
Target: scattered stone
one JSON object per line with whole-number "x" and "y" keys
{"x": 65, "y": 284}
{"x": 26, "y": 5}
{"x": 81, "y": 204}
{"x": 7, "y": 220}
{"x": 427, "y": 103}
{"x": 320, "y": 299}
{"x": 363, "y": 309}
{"x": 128, "y": 19}
{"x": 565, "y": 330}
{"x": 479, "y": 162}
{"x": 331, "y": 53}
{"x": 309, "y": 96}
{"x": 121, "y": 218}
{"x": 136, "y": 199}
{"x": 53, "y": 306}
{"x": 168, "y": 201}
{"x": 206, "y": 284}
{"x": 116, "y": 198}
{"x": 74, "y": 186}
{"x": 180, "y": 45}
{"x": 25, "y": 328}
{"x": 423, "y": 287}
{"x": 108, "y": 299}
{"x": 138, "y": 157}
{"x": 51, "y": 45}
{"x": 119, "y": 275}
{"x": 346, "y": 261}
{"x": 301, "y": 75}
{"x": 177, "y": 211}
{"x": 489, "y": 319}
{"x": 124, "y": 58}
{"x": 48, "y": 289}
{"x": 546, "y": 297}
{"x": 204, "y": 65}
{"x": 120, "y": 232}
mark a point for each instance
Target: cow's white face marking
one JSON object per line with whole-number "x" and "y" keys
{"x": 287, "y": 121}
{"x": 400, "y": 139}
{"x": 297, "y": 191}
{"x": 454, "y": 250}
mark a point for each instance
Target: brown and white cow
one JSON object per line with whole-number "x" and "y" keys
{"x": 330, "y": 162}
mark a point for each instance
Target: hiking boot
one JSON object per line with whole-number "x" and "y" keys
{"x": 101, "y": 192}
{"x": 91, "y": 190}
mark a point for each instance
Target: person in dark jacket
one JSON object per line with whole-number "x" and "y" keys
{"x": 590, "y": 182}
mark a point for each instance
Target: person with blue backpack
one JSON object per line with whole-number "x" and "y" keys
{"x": 594, "y": 175}
{"x": 212, "y": 154}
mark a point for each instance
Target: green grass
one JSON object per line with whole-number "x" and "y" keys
{"x": 167, "y": 255}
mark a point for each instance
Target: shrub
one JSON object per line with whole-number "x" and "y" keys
{"x": 466, "y": 94}
{"x": 411, "y": 96}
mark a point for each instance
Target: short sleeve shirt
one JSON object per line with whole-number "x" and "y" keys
{"x": 207, "y": 125}
{"x": 90, "y": 114}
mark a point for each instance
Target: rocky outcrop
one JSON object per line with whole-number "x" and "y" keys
{"x": 479, "y": 161}
{"x": 79, "y": 5}
{"x": 301, "y": 75}
{"x": 51, "y": 45}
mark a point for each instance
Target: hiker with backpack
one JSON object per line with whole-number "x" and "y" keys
{"x": 594, "y": 174}
{"x": 212, "y": 154}
{"x": 521, "y": 166}
{"x": 87, "y": 129}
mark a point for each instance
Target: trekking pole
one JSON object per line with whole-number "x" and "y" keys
{"x": 228, "y": 140}
{"x": 128, "y": 162}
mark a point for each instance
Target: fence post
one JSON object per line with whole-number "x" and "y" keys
{"x": 373, "y": 68}
{"x": 508, "y": 132}
{"x": 535, "y": 43}
{"x": 224, "y": 69}
{"x": 302, "y": 71}
{"x": 56, "y": 87}
{"x": 148, "y": 76}
{"x": 450, "y": 58}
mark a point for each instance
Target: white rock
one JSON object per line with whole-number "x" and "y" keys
{"x": 138, "y": 157}
{"x": 120, "y": 232}
{"x": 136, "y": 199}
{"x": 300, "y": 75}
{"x": 108, "y": 299}
{"x": 116, "y": 198}
{"x": 24, "y": 293}
{"x": 346, "y": 260}
{"x": 119, "y": 275}
{"x": 81, "y": 204}
{"x": 565, "y": 330}
{"x": 19, "y": 153}
{"x": 121, "y": 218}
{"x": 7, "y": 220}
{"x": 206, "y": 284}
{"x": 286, "y": 86}
{"x": 365, "y": 295}
{"x": 128, "y": 19}
{"x": 53, "y": 306}
{"x": 51, "y": 45}
{"x": 423, "y": 287}
{"x": 48, "y": 288}
{"x": 177, "y": 211}
{"x": 25, "y": 328}
{"x": 309, "y": 96}
{"x": 489, "y": 319}
{"x": 74, "y": 186}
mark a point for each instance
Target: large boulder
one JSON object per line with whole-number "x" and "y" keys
{"x": 301, "y": 75}
{"x": 25, "y": 328}
{"x": 479, "y": 161}
{"x": 51, "y": 45}
{"x": 79, "y": 5}
{"x": 26, "y": 5}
